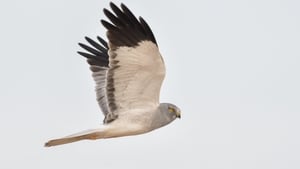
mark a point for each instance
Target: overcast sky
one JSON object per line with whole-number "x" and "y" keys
{"x": 233, "y": 67}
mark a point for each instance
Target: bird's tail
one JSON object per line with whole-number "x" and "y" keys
{"x": 88, "y": 134}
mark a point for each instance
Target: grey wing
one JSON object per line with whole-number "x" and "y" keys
{"x": 98, "y": 59}
{"x": 129, "y": 70}
{"x": 136, "y": 68}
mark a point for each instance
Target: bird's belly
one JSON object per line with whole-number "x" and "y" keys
{"x": 119, "y": 129}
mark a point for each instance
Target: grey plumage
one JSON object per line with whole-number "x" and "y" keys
{"x": 128, "y": 71}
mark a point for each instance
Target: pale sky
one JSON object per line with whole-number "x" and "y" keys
{"x": 233, "y": 67}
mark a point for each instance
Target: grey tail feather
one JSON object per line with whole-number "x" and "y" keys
{"x": 66, "y": 140}
{"x": 88, "y": 134}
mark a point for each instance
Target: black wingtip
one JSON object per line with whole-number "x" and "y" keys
{"x": 124, "y": 28}
{"x": 147, "y": 29}
{"x": 80, "y": 53}
{"x": 80, "y": 44}
{"x": 111, "y": 3}
{"x": 86, "y": 55}
{"x": 103, "y": 42}
{"x": 105, "y": 10}
{"x": 107, "y": 25}
{"x": 87, "y": 38}
{"x": 123, "y": 6}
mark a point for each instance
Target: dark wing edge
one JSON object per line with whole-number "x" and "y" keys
{"x": 97, "y": 54}
{"x": 125, "y": 29}
{"x": 98, "y": 59}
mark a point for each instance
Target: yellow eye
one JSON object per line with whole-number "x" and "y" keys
{"x": 171, "y": 110}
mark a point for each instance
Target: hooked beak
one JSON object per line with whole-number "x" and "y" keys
{"x": 178, "y": 115}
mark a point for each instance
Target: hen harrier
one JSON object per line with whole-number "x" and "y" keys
{"x": 128, "y": 72}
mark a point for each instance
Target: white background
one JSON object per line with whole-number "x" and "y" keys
{"x": 233, "y": 67}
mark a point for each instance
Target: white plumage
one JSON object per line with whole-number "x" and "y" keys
{"x": 128, "y": 72}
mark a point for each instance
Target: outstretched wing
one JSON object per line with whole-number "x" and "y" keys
{"x": 135, "y": 71}
{"x": 136, "y": 67}
{"x": 98, "y": 60}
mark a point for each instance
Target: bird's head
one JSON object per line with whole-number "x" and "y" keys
{"x": 172, "y": 110}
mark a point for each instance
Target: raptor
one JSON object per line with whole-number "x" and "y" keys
{"x": 128, "y": 71}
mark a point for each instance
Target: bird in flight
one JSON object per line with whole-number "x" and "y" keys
{"x": 128, "y": 71}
